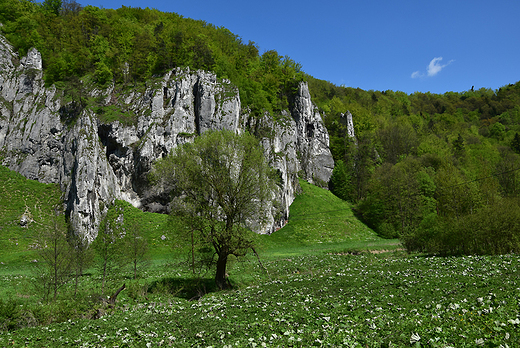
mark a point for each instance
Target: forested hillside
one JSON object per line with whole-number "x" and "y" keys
{"x": 130, "y": 45}
{"x": 439, "y": 171}
{"x": 442, "y": 172}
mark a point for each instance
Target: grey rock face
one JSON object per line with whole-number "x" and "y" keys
{"x": 350, "y": 125}
{"x": 33, "y": 60}
{"x": 95, "y": 161}
{"x": 346, "y": 119}
{"x": 312, "y": 138}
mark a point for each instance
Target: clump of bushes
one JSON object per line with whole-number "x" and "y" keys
{"x": 494, "y": 229}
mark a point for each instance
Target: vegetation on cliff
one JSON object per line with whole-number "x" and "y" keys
{"x": 131, "y": 45}
{"x": 420, "y": 163}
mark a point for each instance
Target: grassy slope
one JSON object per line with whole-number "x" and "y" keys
{"x": 320, "y": 221}
{"x": 19, "y": 195}
{"x": 155, "y": 227}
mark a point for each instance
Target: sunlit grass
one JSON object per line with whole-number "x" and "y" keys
{"x": 319, "y": 282}
{"x": 313, "y": 300}
{"x": 18, "y": 197}
{"x": 321, "y": 222}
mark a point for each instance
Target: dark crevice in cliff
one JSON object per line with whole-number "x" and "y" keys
{"x": 116, "y": 154}
{"x": 110, "y": 144}
{"x": 196, "y": 103}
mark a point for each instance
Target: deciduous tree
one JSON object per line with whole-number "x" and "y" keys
{"x": 55, "y": 257}
{"x": 136, "y": 248}
{"x": 221, "y": 183}
{"x": 108, "y": 244}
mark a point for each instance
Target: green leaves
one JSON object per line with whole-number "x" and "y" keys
{"x": 316, "y": 300}
{"x": 116, "y": 45}
{"x": 515, "y": 143}
{"x": 52, "y": 6}
{"x": 450, "y": 154}
{"x": 221, "y": 183}
{"x": 339, "y": 183}
{"x": 103, "y": 74}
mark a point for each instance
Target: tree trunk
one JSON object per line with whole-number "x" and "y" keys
{"x": 104, "y": 276}
{"x": 220, "y": 276}
{"x": 112, "y": 299}
{"x": 55, "y": 269}
{"x": 78, "y": 272}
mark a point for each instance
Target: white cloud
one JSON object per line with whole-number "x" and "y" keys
{"x": 433, "y": 68}
{"x": 416, "y": 74}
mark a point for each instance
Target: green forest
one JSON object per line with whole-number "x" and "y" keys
{"x": 439, "y": 171}
{"x": 132, "y": 45}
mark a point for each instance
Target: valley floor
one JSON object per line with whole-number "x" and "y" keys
{"x": 322, "y": 299}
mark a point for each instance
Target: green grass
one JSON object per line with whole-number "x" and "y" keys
{"x": 315, "y": 287}
{"x": 155, "y": 228}
{"x": 19, "y": 196}
{"x": 112, "y": 113}
{"x": 322, "y": 300}
{"x": 321, "y": 222}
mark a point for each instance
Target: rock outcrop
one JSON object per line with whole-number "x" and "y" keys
{"x": 349, "y": 123}
{"x": 103, "y": 150}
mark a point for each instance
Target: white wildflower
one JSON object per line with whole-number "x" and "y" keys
{"x": 415, "y": 338}
{"x": 514, "y": 322}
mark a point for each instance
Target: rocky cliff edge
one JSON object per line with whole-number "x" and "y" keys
{"x": 99, "y": 145}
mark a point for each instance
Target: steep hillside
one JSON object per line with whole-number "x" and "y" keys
{"x": 321, "y": 221}
{"x": 100, "y": 144}
{"x": 424, "y": 166}
{"x": 25, "y": 206}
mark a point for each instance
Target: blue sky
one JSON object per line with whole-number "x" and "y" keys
{"x": 425, "y": 46}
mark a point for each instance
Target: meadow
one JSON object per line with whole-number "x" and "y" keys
{"x": 334, "y": 300}
{"x": 324, "y": 280}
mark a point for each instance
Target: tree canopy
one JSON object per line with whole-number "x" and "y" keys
{"x": 221, "y": 182}
{"x": 131, "y": 45}
{"x": 427, "y": 163}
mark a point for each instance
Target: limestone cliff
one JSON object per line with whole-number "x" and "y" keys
{"x": 99, "y": 145}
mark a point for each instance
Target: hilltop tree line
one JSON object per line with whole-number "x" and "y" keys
{"x": 441, "y": 172}
{"x": 131, "y": 45}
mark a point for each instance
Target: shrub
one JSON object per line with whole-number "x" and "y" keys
{"x": 9, "y": 315}
{"x": 493, "y": 230}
